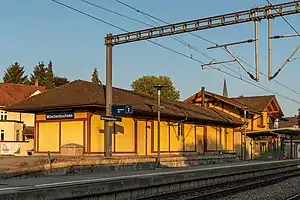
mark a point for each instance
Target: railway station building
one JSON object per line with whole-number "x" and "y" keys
{"x": 260, "y": 114}
{"x": 71, "y": 114}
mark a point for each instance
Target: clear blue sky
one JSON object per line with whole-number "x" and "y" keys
{"x": 35, "y": 30}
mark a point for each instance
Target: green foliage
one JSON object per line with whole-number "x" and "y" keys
{"x": 39, "y": 73}
{"x": 95, "y": 77}
{"x": 49, "y": 77}
{"x": 44, "y": 75}
{"x": 58, "y": 81}
{"x": 15, "y": 74}
{"x": 145, "y": 85}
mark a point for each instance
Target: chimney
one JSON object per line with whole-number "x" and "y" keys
{"x": 36, "y": 82}
{"x": 203, "y": 97}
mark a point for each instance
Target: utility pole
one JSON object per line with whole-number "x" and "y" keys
{"x": 158, "y": 88}
{"x": 244, "y": 130}
{"x": 256, "y": 46}
{"x": 270, "y": 44}
{"x": 108, "y": 87}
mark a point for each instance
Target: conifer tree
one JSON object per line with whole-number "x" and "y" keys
{"x": 15, "y": 74}
{"x": 49, "y": 77}
{"x": 95, "y": 77}
{"x": 39, "y": 72}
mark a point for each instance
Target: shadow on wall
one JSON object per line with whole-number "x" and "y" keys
{"x": 117, "y": 129}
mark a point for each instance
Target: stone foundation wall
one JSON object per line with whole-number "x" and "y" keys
{"x": 88, "y": 165}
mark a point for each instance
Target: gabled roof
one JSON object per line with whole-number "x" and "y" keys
{"x": 287, "y": 122}
{"x": 254, "y": 104}
{"x": 12, "y": 93}
{"x": 230, "y": 101}
{"x": 258, "y": 102}
{"x": 86, "y": 94}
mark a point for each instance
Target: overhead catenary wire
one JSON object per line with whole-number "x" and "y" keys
{"x": 175, "y": 51}
{"x": 149, "y": 16}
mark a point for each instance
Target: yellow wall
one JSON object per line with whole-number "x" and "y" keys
{"x": 164, "y": 136}
{"x": 97, "y": 134}
{"x": 200, "y": 139}
{"x": 72, "y": 132}
{"x": 10, "y": 130}
{"x": 124, "y": 135}
{"x": 176, "y": 142}
{"x": 51, "y": 134}
{"x": 131, "y": 136}
{"x": 189, "y": 137}
{"x": 235, "y": 112}
{"x": 28, "y": 119}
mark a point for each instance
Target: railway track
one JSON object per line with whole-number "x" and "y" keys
{"x": 295, "y": 197}
{"x": 230, "y": 188}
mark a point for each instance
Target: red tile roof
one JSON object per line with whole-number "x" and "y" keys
{"x": 257, "y": 102}
{"x": 86, "y": 94}
{"x": 13, "y": 93}
{"x": 227, "y": 100}
{"x": 288, "y": 122}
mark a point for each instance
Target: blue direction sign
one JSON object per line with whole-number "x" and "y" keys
{"x": 121, "y": 109}
{"x": 110, "y": 118}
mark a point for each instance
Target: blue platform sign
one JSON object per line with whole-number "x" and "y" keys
{"x": 121, "y": 109}
{"x": 59, "y": 115}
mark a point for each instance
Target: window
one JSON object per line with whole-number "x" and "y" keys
{"x": 2, "y": 135}
{"x": 3, "y": 115}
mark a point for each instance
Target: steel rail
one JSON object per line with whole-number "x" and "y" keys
{"x": 295, "y": 197}
{"x": 229, "y": 188}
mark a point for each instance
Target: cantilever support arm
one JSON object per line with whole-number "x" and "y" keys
{"x": 244, "y": 68}
{"x": 285, "y": 62}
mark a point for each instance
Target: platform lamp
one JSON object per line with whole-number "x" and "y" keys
{"x": 158, "y": 88}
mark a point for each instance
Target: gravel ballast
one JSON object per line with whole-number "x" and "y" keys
{"x": 279, "y": 191}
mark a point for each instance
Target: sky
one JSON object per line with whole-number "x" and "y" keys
{"x": 41, "y": 30}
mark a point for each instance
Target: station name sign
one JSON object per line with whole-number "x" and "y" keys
{"x": 111, "y": 118}
{"x": 59, "y": 115}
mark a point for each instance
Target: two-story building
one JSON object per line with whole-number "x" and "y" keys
{"x": 16, "y": 127}
{"x": 257, "y": 113}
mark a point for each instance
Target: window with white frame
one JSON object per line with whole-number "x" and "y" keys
{"x": 3, "y": 115}
{"x": 2, "y": 135}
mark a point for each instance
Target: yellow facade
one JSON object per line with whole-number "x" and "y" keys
{"x": 50, "y": 135}
{"x": 256, "y": 121}
{"x": 134, "y": 136}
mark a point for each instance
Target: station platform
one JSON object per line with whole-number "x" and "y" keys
{"x": 23, "y": 183}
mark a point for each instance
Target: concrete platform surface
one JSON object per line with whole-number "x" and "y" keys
{"x": 41, "y": 182}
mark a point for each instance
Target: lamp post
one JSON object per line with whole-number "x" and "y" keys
{"x": 158, "y": 88}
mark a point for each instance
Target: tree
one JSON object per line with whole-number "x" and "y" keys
{"x": 15, "y": 74}
{"x": 145, "y": 85}
{"x": 95, "y": 77}
{"x": 39, "y": 72}
{"x": 58, "y": 81}
{"x": 49, "y": 77}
